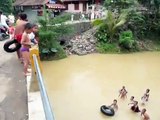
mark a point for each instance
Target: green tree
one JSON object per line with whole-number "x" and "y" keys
{"x": 6, "y": 6}
{"x": 113, "y": 23}
{"x": 118, "y": 5}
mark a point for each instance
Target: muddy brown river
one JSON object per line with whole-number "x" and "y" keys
{"x": 79, "y": 85}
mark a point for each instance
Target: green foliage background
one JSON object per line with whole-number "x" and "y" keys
{"x": 49, "y": 44}
{"x": 136, "y": 27}
{"x": 6, "y": 6}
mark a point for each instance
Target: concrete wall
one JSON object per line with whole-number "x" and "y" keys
{"x": 71, "y": 8}
{"x": 32, "y": 14}
{"x": 78, "y": 28}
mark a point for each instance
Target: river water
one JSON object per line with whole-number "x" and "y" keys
{"x": 79, "y": 85}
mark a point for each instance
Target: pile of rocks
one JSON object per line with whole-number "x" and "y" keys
{"x": 82, "y": 44}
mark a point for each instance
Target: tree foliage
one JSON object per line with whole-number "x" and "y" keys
{"x": 141, "y": 23}
{"x": 49, "y": 44}
{"x": 118, "y": 5}
{"x": 113, "y": 23}
{"x": 6, "y": 6}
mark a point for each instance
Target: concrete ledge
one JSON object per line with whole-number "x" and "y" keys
{"x": 2, "y": 115}
{"x": 35, "y": 107}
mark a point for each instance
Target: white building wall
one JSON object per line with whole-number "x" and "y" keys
{"x": 71, "y": 8}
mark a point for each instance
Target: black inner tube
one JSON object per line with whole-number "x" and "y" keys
{"x": 107, "y": 110}
{"x": 7, "y": 45}
{"x": 135, "y": 109}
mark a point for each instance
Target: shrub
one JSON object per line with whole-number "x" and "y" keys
{"x": 62, "y": 30}
{"x": 101, "y": 34}
{"x": 43, "y": 23}
{"x": 61, "y": 18}
{"x": 126, "y": 40}
{"x": 137, "y": 24}
{"x": 108, "y": 30}
{"x": 107, "y": 48}
{"x": 49, "y": 47}
{"x": 97, "y": 22}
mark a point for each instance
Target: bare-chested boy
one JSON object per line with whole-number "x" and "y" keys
{"x": 144, "y": 114}
{"x": 145, "y": 97}
{"x": 19, "y": 29}
{"x": 123, "y": 93}
{"x": 114, "y": 105}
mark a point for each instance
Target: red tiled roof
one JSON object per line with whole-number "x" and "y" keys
{"x": 29, "y": 2}
{"x": 56, "y": 6}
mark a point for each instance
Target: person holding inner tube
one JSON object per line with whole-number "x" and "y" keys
{"x": 19, "y": 29}
{"x": 114, "y": 105}
{"x": 26, "y": 44}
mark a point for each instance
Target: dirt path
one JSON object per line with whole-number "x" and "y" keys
{"x": 13, "y": 91}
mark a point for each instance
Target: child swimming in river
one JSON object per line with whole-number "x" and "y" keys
{"x": 144, "y": 114}
{"x": 131, "y": 100}
{"x": 26, "y": 44}
{"x": 123, "y": 93}
{"x": 145, "y": 97}
{"x": 114, "y": 105}
{"x": 135, "y": 107}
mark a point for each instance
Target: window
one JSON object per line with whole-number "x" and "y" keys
{"x": 66, "y": 5}
{"x": 84, "y": 6}
{"x": 76, "y": 6}
{"x": 39, "y": 13}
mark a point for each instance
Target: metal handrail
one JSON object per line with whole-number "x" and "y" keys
{"x": 45, "y": 100}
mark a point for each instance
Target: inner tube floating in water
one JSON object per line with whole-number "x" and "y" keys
{"x": 107, "y": 110}
{"x": 9, "y": 49}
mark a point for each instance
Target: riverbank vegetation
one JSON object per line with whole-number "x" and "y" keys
{"x": 129, "y": 26}
{"x": 6, "y": 6}
{"x": 49, "y": 45}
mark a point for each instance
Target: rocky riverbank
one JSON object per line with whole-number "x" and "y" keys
{"x": 82, "y": 44}
{"x": 86, "y": 43}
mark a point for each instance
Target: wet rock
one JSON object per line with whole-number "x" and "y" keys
{"x": 82, "y": 44}
{"x": 88, "y": 48}
{"x": 92, "y": 41}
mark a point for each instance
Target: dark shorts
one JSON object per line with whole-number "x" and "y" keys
{"x": 135, "y": 109}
